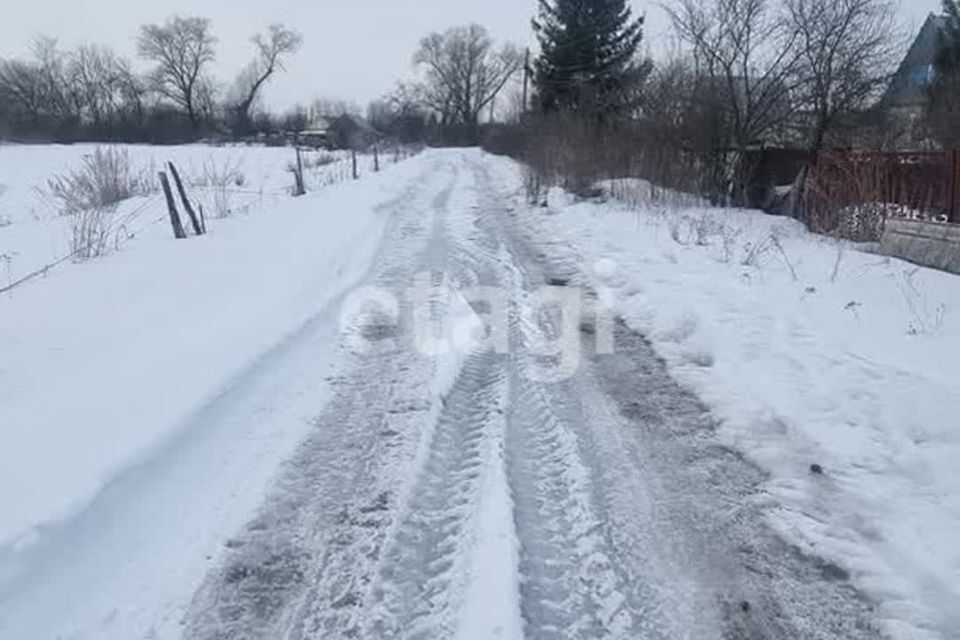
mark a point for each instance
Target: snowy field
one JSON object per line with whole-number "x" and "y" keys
{"x": 834, "y": 369}
{"x": 112, "y": 368}
{"x": 227, "y": 181}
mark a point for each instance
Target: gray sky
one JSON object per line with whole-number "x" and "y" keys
{"x": 353, "y": 49}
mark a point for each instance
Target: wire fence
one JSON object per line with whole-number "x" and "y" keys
{"x": 323, "y": 172}
{"x": 42, "y": 271}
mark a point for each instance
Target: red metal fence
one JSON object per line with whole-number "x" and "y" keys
{"x": 851, "y": 193}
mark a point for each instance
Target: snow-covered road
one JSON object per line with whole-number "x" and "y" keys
{"x": 494, "y": 455}
{"x": 551, "y": 492}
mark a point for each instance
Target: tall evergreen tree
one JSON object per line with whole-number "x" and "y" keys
{"x": 588, "y": 55}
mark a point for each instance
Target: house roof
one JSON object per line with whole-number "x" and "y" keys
{"x": 319, "y": 124}
{"x": 908, "y": 87}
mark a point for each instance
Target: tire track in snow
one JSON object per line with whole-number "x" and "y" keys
{"x": 577, "y": 581}
{"x": 417, "y": 596}
{"x": 300, "y": 568}
{"x": 568, "y": 583}
{"x": 411, "y": 579}
{"x": 569, "y": 588}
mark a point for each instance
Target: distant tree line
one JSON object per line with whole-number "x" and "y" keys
{"x": 93, "y": 93}
{"x": 746, "y": 74}
{"x": 461, "y": 72}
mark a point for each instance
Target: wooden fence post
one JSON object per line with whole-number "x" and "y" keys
{"x": 194, "y": 220}
{"x": 299, "y": 186}
{"x": 353, "y": 155}
{"x": 178, "y": 231}
{"x": 376, "y": 159}
{"x": 952, "y": 214}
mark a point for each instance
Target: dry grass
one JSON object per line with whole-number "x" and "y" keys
{"x": 104, "y": 179}
{"x": 218, "y": 180}
{"x": 89, "y": 196}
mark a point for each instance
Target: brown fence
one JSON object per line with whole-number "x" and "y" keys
{"x": 852, "y": 193}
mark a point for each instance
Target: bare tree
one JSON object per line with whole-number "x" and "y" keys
{"x": 272, "y": 48}
{"x": 748, "y": 52}
{"x": 464, "y": 73}
{"x": 399, "y": 115}
{"x": 685, "y": 129}
{"x": 20, "y": 87}
{"x": 52, "y": 77}
{"x": 63, "y": 93}
{"x": 103, "y": 83}
{"x": 181, "y": 48}
{"x": 847, "y": 49}
{"x": 40, "y": 89}
{"x": 331, "y": 107}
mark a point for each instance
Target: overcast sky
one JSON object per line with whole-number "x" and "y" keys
{"x": 353, "y": 49}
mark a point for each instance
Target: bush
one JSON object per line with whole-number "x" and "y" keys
{"x": 319, "y": 159}
{"x": 576, "y": 152}
{"x": 220, "y": 175}
{"x": 90, "y": 233}
{"x": 220, "y": 180}
{"x": 105, "y": 178}
{"x": 89, "y": 195}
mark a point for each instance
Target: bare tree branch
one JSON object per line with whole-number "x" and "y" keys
{"x": 181, "y": 48}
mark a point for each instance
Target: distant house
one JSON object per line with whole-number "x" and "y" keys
{"x": 907, "y": 91}
{"x": 317, "y": 134}
{"x": 350, "y": 132}
{"x": 339, "y": 132}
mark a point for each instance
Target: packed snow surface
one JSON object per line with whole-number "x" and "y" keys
{"x": 194, "y": 447}
{"x": 817, "y": 355}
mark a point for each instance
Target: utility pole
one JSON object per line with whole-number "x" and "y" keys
{"x": 526, "y": 79}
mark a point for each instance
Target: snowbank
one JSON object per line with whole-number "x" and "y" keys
{"x": 101, "y": 363}
{"x": 812, "y": 353}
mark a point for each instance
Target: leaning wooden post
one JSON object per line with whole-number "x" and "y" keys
{"x": 178, "y": 231}
{"x": 194, "y": 220}
{"x": 376, "y": 158}
{"x": 353, "y": 155}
